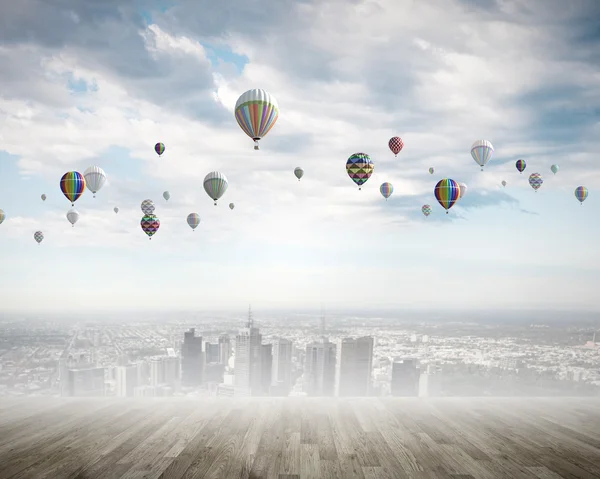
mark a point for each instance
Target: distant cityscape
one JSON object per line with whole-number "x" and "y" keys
{"x": 307, "y": 356}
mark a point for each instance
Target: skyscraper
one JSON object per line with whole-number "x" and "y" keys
{"x": 319, "y": 368}
{"x": 281, "y": 374}
{"x": 266, "y": 366}
{"x": 224, "y": 349}
{"x": 354, "y": 367}
{"x": 192, "y": 359}
{"x": 405, "y": 377}
{"x": 126, "y": 380}
{"x": 211, "y": 352}
{"x": 248, "y": 354}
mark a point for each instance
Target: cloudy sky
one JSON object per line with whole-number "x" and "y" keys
{"x": 99, "y": 83}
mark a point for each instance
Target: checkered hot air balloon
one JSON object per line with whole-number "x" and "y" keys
{"x": 359, "y": 168}
{"x": 426, "y": 210}
{"x": 386, "y": 189}
{"x": 536, "y": 181}
{"x": 581, "y": 193}
{"x": 521, "y": 165}
{"x": 72, "y": 184}
{"x": 256, "y": 111}
{"x": 396, "y": 144}
{"x": 148, "y": 207}
{"x": 193, "y": 220}
{"x": 38, "y": 236}
{"x": 150, "y": 225}
{"x": 447, "y": 192}
{"x": 482, "y": 151}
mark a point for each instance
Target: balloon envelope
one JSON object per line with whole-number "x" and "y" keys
{"x": 396, "y": 144}
{"x": 150, "y": 225}
{"x": 73, "y": 216}
{"x": 463, "y": 189}
{"x": 167, "y": 195}
{"x": 256, "y": 111}
{"x": 299, "y": 172}
{"x": 535, "y": 180}
{"x": 359, "y": 168}
{"x": 521, "y": 165}
{"x": 215, "y": 185}
{"x": 554, "y": 169}
{"x": 148, "y": 207}
{"x": 447, "y": 191}
{"x": 386, "y": 189}
{"x": 581, "y": 193}
{"x": 426, "y": 209}
{"x": 431, "y": 171}
{"x": 503, "y": 183}
{"x": 2, "y": 216}
{"x": 43, "y": 197}
{"x": 94, "y": 178}
{"x": 38, "y": 236}
{"x": 159, "y": 148}
{"x": 193, "y": 220}
{"x": 231, "y": 206}
{"x": 72, "y": 184}
{"x": 482, "y": 151}
{"x": 115, "y": 209}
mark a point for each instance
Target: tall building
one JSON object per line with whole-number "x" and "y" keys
{"x": 354, "y": 367}
{"x": 211, "y": 352}
{"x": 281, "y": 373}
{"x": 126, "y": 378}
{"x": 266, "y": 365}
{"x": 405, "y": 377}
{"x": 319, "y": 368}
{"x": 164, "y": 370}
{"x": 224, "y": 349}
{"x": 248, "y": 354}
{"x": 192, "y": 359}
{"x": 89, "y": 382}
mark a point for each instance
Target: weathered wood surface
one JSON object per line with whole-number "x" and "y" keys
{"x": 296, "y": 438}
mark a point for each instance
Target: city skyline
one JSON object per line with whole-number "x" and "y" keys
{"x": 100, "y": 85}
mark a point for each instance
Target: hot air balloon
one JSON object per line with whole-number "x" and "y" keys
{"x": 359, "y": 168}
{"x": 94, "y": 178}
{"x": 148, "y": 207}
{"x": 396, "y": 144}
{"x": 535, "y": 180}
{"x": 386, "y": 189}
{"x": 521, "y": 165}
{"x": 482, "y": 151}
{"x": 38, "y": 236}
{"x": 581, "y": 193}
{"x": 554, "y": 169}
{"x": 503, "y": 183}
{"x": 299, "y": 172}
{"x": 426, "y": 209}
{"x": 256, "y": 111}
{"x": 447, "y": 191}
{"x": 231, "y": 206}
{"x": 72, "y": 184}
{"x": 167, "y": 195}
{"x": 159, "y": 148}
{"x": 2, "y": 216}
{"x": 193, "y": 220}
{"x": 150, "y": 224}
{"x": 215, "y": 185}
{"x": 431, "y": 171}
{"x": 43, "y": 197}
{"x": 463, "y": 189}
{"x": 115, "y": 209}
{"x": 73, "y": 216}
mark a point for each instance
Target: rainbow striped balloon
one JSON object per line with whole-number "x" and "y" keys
{"x": 447, "y": 192}
{"x": 386, "y": 190}
{"x": 72, "y": 184}
{"x": 521, "y": 165}
{"x": 581, "y": 193}
{"x": 359, "y": 168}
{"x": 256, "y": 111}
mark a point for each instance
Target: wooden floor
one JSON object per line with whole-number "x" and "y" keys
{"x": 299, "y": 438}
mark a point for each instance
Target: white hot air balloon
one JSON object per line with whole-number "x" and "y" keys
{"x": 463, "y": 189}
{"x": 94, "y": 178}
{"x": 256, "y": 111}
{"x": 73, "y": 216}
{"x": 148, "y": 207}
{"x": 215, "y": 185}
{"x": 482, "y": 151}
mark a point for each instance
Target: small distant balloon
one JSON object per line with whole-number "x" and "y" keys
{"x": 463, "y": 189}
{"x": 38, "y": 236}
{"x": 73, "y": 216}
{"x": 503, "y": 183}
{"x": 554, "y": 169}
{"x": 426, "y": 209}
{"x": 482, "y": 151}
{"x": 43, "y": 197}
{"x": 231, "y": 206}
{"x": 150, "y": 225}
{"x": 2, "y": 216}
{"x": 193, "y": 220}
{"x": 431, "y": 171}
{"x": 521, "y": 165}
{"x": 148, "y": 207}
{"x": 167, "y": 195}
{"x": 159, "y": 148}
{"x": 298, "y": 172}
{"x": 396, "y": 144}
{"x": 115, "y": 209}
{"x": 536, "y": 181}
{"x": 581, "y": 193}
{"x": 386, "y": 189}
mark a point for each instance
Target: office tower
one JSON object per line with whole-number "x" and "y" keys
{"x": 354, "y": 367}
{"x": 88, "y": 382}
{"x": 266, "y": 364}
{"x": 281, "y": 374}
{"x": 247, "y": 366}
{"x": 211, "y": 352}
{"x": 192, "y": 360}
{"x": 164, "y": 370}
{"x": 224, "y": 349}
{"x": 405, "y": 377}
{"x": 319, "y": 368}
{"x": 126, "y": 378}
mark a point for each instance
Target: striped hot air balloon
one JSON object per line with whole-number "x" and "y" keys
{"x": 581, "y": 193}
{"x": 256, "y": 111}
{"x": 447, "y": 192}
{"x": 386, "y": 189}
{"x": 72, "y": 184}
{"x": 215, "y": 185}
{"x": 521, "y": 165}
